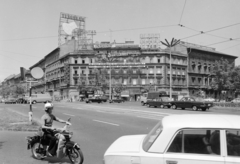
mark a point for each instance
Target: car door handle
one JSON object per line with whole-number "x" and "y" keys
{"x": 171, "y": 162}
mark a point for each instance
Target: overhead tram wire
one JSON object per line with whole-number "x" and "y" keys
{"x": 230, "y": 47}
{"x": 223, "y": 41}
{"x": 182, "y": 11}
{"x": 202, "y": 32}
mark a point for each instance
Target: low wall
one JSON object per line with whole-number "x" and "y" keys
{"x": 226, "y": 104}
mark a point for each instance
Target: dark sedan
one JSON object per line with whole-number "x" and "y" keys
{"x": 96, "y": 99}
{"x": 162, "y": 102}
{"x": 116, "y": 100}
{"x": 195, "y": 103}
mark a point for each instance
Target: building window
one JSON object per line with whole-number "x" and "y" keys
{"x": 91, "y": 60}
{"x": 75, "y": 81}
{"x": 75, "y": 61}
{"x": 134, "y": 71}
{"x": 150, "y": 70}
{"x": 199, "y": 80}
{"x": 193, "y": 80}
{"x": 75, "y": 71}
{"x": 90, "y": 71}
{"x": 134, "y": 81}
{"x": 143, "y": 81}
{"x": 159, "y": 60}
{"x": 83, "y": 71}
{"x": 168, "y": 70}
{"x": 159, "y": 70}
{"x": 174, "y": 70}
{"x": 124, "y": 71}
{"x": 151, "y": 81}
{"x": 83, "y": 61}
{"x": 124, "y": 81}
{"x": 183, "y": 71}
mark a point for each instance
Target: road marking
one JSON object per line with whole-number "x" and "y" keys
{"x": 106, "y": 122}
{"x": 69, "y": 114}
{"x": 133, "y": 110}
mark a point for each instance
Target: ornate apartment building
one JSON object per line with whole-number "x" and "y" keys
{"x": 191, "y": 67}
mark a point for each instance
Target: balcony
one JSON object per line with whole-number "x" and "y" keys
{"x": 76, "y": 74}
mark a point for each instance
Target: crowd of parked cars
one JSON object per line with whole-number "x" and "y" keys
{"x": 162, "y": 100}
{"x": 102, "y": 99}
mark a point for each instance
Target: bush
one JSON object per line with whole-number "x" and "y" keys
{"x": 226, "y": 104}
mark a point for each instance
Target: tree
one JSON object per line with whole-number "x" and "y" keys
{"x": 118, "y": 88}
{"x": 222, "y": 79}
{"x": 19, "y": 90}
{"x": 235, "y": 78}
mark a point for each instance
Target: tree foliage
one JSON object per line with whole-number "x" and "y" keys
{"x": 235, "y": 78}
{"x": 222, "y": 79}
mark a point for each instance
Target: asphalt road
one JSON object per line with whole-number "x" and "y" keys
{"x": 95, "y": 126}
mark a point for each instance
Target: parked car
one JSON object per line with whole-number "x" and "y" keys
{"x": 116, "y": 100}
{"x": 195, "y": 103}
{"x": 21, "y": 101}
{"x": 96, "y": 99}
{"x": 39, "y": 98}
{"x": 162, "y": 102}
{"x": 181, "y": 139}
{"x": 236, "y": 100}
{"x": 210, "y": 99}
{"x": 10, "y": 101}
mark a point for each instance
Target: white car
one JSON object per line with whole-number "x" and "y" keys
{"x": 210, "y": 99}
{"x": 236, "y": 100}
{"x": 181, "y": 139}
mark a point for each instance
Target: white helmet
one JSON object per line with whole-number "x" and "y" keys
{"x": 48, "y": 106}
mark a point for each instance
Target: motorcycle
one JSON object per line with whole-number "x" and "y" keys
{"x": 64, "y": 146}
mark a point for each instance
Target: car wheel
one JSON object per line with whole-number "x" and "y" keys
{"x": 194, "y": 108}
{"x": 34, "y": 102}
{"x": 204, "y": 109}
{"x": 161, "y": 106}
{"x": 142, "y": 103}
{"x": 174, "y": 106}
{"x": 183, "y": 108}
{"x": 149, "y": 105}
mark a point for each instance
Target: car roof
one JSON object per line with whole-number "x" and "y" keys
{"x": 201, "y": 121}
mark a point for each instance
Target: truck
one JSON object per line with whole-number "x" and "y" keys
{"x": 151, "y": 96}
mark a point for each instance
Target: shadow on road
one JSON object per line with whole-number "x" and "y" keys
{"x": 64, "y": 160}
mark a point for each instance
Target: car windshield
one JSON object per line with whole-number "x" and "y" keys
{"x": 152, "y": 136}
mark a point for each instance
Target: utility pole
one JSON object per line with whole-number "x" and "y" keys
{"x": 174, "y": 42}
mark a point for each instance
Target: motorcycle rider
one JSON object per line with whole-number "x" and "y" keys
{"x": 47, "y": 121}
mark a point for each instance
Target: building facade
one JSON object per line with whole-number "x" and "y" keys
{"x": 191, "y": 69}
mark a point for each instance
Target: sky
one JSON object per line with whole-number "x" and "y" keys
{"x": 29, "y": 28}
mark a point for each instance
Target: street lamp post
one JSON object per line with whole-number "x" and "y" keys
{"x": 174, "y": 42}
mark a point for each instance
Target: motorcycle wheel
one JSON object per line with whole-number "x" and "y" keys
{"x": 76, "y": 156}
{"x": 35, "y": 150}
